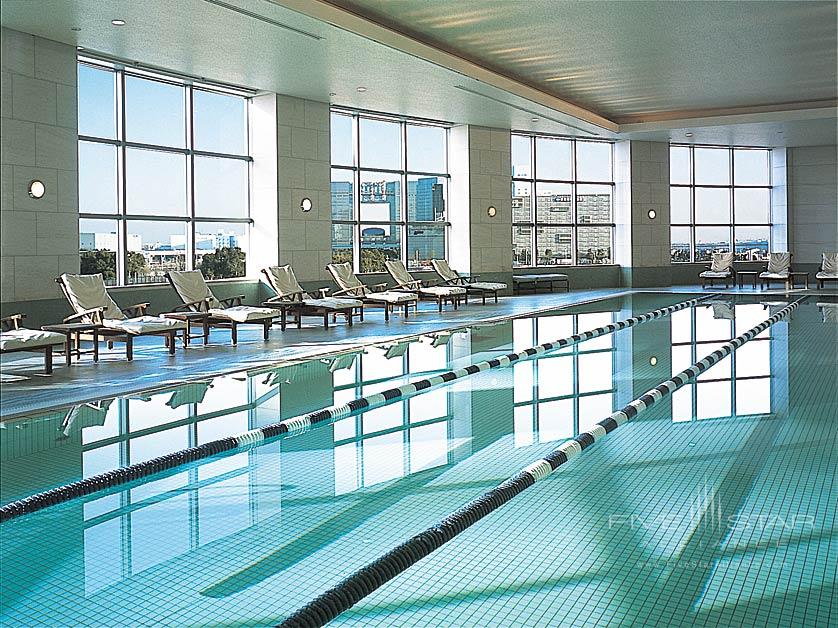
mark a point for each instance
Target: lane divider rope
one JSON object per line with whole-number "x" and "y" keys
{"x": 328, "y": 605}
{"x": 300, "y": 424}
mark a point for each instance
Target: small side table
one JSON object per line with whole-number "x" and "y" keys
{"x": 804, "y": 276}
{"x": 753, "y": 274}
{"x": 192, "y": 318}
{"x": 72, "y": 334}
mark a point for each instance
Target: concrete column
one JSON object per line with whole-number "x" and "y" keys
{"x": 779, "y": 200}
{"x": 812, "y": 202}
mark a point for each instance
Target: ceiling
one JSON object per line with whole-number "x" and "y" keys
{"x": 648, "y": 63}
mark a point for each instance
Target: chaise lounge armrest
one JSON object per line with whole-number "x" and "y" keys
{"x": 11, "y": 322}
{"x": 133, "y": 311}
{"x": 201, "y": 305}
{"x": 96, "y": 315}
{"x": 288, "y": 297}
{"x": 409, "y": 285}
{"x": 232, "y": 301}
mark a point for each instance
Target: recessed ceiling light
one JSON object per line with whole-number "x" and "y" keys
{"x": 361, "y": 88}
{"x": 79, "y": 48}
{"x": 118, "y": 22}
{"x": 688, "y": 134}
{"x": 534, "y": 119}
{"x": 780, "y": 132}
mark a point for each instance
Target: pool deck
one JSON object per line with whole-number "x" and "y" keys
{"x": 25, "y": 389}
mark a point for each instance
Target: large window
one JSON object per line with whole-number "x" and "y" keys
{"x": 720, "y": 197}
{"x": 389, "y": 191}
{"x": 163, "y": 176}
{"x": 562, "y": 201}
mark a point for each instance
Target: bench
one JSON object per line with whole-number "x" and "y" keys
{"x": 532, "y": 282}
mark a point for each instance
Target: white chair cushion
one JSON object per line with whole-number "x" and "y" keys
{"x": 445, "y": 291}
{"x": 245, "y": 313}
{"x": 715, "y": 275}
{"x": 721, "y": 262}
{"x": 767, "y": 275}
{"x": 824, "y": 275}
{"x": 779, "y": 263}
{"x": 87, "y": 292}
{"x": 17, "y": 339}
{"x": 829, "y": 264}
{"x": 444, "y": 270}
{"x": 333, "y": 303}
{"x": 346, "y": 279}
{"x": 398, "y": 272}
{"x": 144, "y": 324}
{"x": 191, "y": 286}
{"x": 391, "y": 297}
{"x": 487, "y": 285}
{"x": 284, "y": 281}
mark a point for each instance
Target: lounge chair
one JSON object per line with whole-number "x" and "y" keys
{"x": 829, "y": 312}
{"x": 14, "y": 338}
{"x": 778, "y": 269}
{"x": 451, "y": 278}
{"x": 720, "y": 268}
{"x": 349, "y": 285}
{"x": 829, "y": 269}
{"x": 229, "y": 313}
{"x": 405, "y": 281}
{"x": 92, "y": 304}
{"x": 290, "y": 295}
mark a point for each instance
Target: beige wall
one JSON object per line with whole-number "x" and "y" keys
{"x": 812, "y": 202}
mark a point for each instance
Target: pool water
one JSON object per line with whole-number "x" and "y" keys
{"x": 714, "y": 507}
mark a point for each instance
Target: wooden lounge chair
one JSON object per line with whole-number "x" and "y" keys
{"x": 92, "y": 304}
{"x": 721, "y": 268}
{"x": 291, "y": 296}
{"x": 196, "y": 295}
{"x": 472, "y": 286}
{"x": 778, "y": 269}
{"x": 349, "y": 285}
{"x": 829, "y": 269}
{"x": 405, "y": 281}
{"x": 14, "y": 337}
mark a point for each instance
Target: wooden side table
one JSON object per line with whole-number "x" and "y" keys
{"x": 753, "y": 274}
{"x": 192, "y": 319}
{"x": 73, "y": 336}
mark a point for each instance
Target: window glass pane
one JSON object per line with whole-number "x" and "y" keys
{"x": 155, "y": 183}
{"x": 341, "y": 243}
{"x": 555, "y": 420}
{"x": 97, "y": 248}
{"x": 553, "y": 158}
{"x": 428, "y": 446}
{"x": 555, "y": 376}
{"x": 522, "y": 246}
{"x": 552, "y": 203}
{"x": 712, "y": 206}
{"x": 753, "y": 396}
{"x": 96, "y": 102}
{"x": 426, "y": 198}
{"x": 381, "y": 144}
{"x": 679, "y": 205}
{"x": 593, "y": 204}
{"x": 751, "y": 205}
{"x": 593, "y": 245}
{"x": 162, "y": 247}
{"x": 521, "y": 202}
{"x": 97, "y": 178}
{"x": 221, "y": 249}
{"x": 378, "y": 244}
{"x": 750, "y": 167}
{"x": 343, "y": 194}
{"x": 554, "y": 246}
{"x": 680, "y": 247}
{"x": 154, "y": 112}
{"x": 713, "y": 400}
{"x": 426, "y": 150}
{"x": 424, "y": 243}
{"x": 381, "y": 196}
{"x": 593, "y": 161}
{"x": 712, "y": 166}
{"x": 219, "y": 122}
{"x": 521, "y": 156}
{"x": 342, "y": 147}
{"x": 751, "y": 243}
{"x": 220, "y": 187}
{"x": 709, "y": 240}
{"x": 679, "y": 164}
{"x": 383, "y": 458}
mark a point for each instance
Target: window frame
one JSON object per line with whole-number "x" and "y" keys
{"x": 122, "y": 216}
{"x": 533, "y": 180}
{"x": 731, "y": 187}
{"x": 403, "y": 173}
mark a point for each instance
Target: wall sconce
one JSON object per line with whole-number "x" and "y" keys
{"x": 306, "y": 204}
{"x": 652, "y": 214}
{"x": 653, "y": 360}
{"x": 37, "y": 189}
{"x": 492, "y": 211}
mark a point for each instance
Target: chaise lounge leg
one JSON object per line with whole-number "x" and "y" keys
{"x": 234, "y": 333}
{"x": 439, "y": 303}
{"x": 171, "y": 341}
{"x": 266, "y": 328}
{"x": 326, "y": 320}
{"x": 407, "y": 309}
{"x": 386, "y": 312}
{"x": 129, "y": 348}
{"x": 48, "y": 360}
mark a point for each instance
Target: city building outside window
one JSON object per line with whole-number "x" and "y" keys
{"x": 562, "y": 201}
{"x": 389, "y": 191}
{"x": 164, "y": 175}
{"x": 719, "y": 197}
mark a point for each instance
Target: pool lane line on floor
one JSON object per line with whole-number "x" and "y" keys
{"x": 352, "y": 589}
{"x": 302, "y": 423}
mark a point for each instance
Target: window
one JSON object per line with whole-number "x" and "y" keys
{"x": 389, "y": 191}
{"x": 720, "y": 197}
{"x": 562, "y": 210}
{"x": 164, "y": 176}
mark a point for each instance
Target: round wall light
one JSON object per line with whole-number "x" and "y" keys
{"x": 652, "y": 214}
{"x": 37, "y": 189}
{"x": 306, "y": 204}
{"x": 118, "y": 22}
{"x": 653, "y": 360}
{"x": 492, "y": 211}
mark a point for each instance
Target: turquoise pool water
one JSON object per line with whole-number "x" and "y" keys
{"x": 716, "y": 507}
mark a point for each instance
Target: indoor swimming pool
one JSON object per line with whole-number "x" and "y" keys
{"x": 714, "y": 507}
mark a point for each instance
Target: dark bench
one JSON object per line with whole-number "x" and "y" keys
{"x": 532, "y": 282}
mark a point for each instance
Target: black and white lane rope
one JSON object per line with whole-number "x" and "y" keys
{"x": 300, "y": 424}
{"x": 361, "y": 583}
